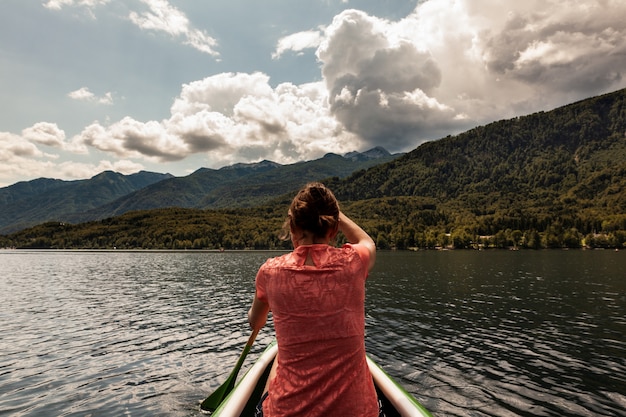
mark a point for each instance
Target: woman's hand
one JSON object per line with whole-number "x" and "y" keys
{"x": 357, "y": 236}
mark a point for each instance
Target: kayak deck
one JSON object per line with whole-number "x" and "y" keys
{"x": 241, "y": 402}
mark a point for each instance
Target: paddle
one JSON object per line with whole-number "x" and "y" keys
{"x": 213, "y": 401}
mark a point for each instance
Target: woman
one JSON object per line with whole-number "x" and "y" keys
{"x": 316, "y": 294}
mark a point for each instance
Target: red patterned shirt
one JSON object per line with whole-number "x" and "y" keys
{"x": 320, "y": 327}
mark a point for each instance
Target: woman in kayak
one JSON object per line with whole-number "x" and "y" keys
{"x": 316, "y": 294}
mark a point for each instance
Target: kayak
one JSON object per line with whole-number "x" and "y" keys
{"x": 246, "y": 394}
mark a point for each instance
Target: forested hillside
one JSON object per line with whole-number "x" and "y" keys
{"x": 561, "y": 173}
{"x": 548, "y": 180}
{"x": 111, "y": 194}
{"x": 26, "y": 204}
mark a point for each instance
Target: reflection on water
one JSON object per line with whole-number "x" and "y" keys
{"x": 468, "y": 333}
{"x": 501, "y": 333}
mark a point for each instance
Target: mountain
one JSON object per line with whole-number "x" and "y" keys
{"x": 237, "y": 186}
{"x": 558, "y": 172}
{"x": 575, "y": 153}
{"x": 110, "y": 194}
{"x": 26, "y": 204}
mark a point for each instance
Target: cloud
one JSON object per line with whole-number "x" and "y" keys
{"x": 49, "y": 134}
{"x": 160, "y": 16}
{"x": 380, "y": 84}
{"x": 231, "y": 117}
{"x": 129, "y": 138}
{"x": 20, "y": 157}
{"x": 563, "y": 46}
{"x": 298, "y": 42}
{"x": 44, "y": 133}
{"x": 453, "y": 64}
{"x": 83, "y": 94}
{"x": 58, "y": 4}
{"x": 80, "y": 170}
{"x": 14, "y": 146}
{"x": 448, "y": 66}
{"x": 163, "y": 17}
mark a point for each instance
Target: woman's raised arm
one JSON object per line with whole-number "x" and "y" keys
{"x": 357, "y": 236}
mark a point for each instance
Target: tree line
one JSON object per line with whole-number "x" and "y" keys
{"x": 402, "y": 223}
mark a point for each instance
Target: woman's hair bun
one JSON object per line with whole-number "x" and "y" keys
{"x": 314, "y": 209}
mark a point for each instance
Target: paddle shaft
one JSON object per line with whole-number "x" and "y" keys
{"x": 213, "y": 401}
{"x": 243, "y": 355}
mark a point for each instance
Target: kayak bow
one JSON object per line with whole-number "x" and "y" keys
{"x": 244, "y": 397}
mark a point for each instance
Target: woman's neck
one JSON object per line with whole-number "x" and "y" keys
{"x": 307, "y": 240}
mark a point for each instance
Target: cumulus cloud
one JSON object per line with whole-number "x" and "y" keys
{"x": 129, "y": 138}
{"x": 45, "y": 133}
{"x": 80, "y": 170}
{"x": 49, "y": 134}
{"x": 448, "y": 66}
{"x": 21, "y": 157}
{"x": 232, "y": 117}
{"x": 14, "y": 146}
{"x": 83, "y": 94}
{"x": 453, "y": 64}
{"x": 561, "y": 45}
{"x": 163, "y": 17}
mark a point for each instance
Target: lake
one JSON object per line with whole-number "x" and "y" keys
{"x": 469, "y": 333}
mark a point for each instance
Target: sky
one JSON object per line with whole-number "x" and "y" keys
{"x": 171, "y": 86}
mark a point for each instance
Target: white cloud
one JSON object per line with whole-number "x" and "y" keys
{"x": 129, "y": 138}
{"x": 14, "y": 146}
{"x": 379, "y": 83}
{"x": 453, "y": 64}
{"x": 20, "y": 157}
{"x": 49, "y": 134}
{"x": 58, "y": 4}
{"x": 163, "y": 17}
{"x": 83, "y": 94}
{"x": 298, "y": 42}
{"x": 567, "y": 48}
{"x": 160, "y": 16}
{"x": 446, "y": 67}
{"x": 80, "y": 170}
{"x": 44, "y": 133}
{"x": 232, "y": 117}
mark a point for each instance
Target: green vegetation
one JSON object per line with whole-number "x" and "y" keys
{"x": 394, "y": 222}
{"x": 173, "y": 228}
{"x": 548, "y": 180}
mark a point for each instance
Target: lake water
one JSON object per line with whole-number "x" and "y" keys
{"x": 469, "y": 333}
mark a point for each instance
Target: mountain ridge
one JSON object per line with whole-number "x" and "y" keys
{"x": 26, "y": 204}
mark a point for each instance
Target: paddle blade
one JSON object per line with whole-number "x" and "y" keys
{"x": 213, "y": 401}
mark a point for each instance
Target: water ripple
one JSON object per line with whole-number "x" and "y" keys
{"x": 469, "y": 334}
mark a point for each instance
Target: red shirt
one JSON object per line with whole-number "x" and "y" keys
{"x": 319, "y": 319}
